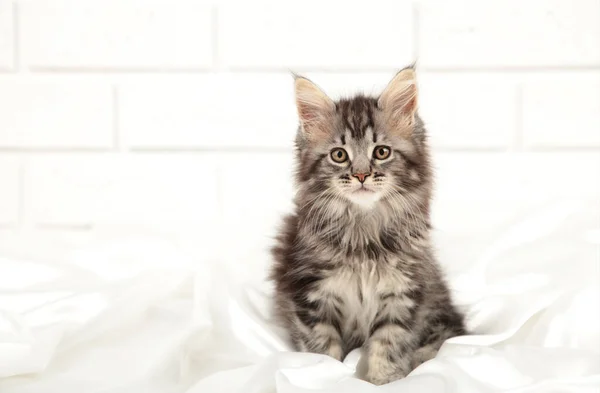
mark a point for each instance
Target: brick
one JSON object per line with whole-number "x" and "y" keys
{"x": 150, "y": 190}
{"x": 51, "y": 115}
{"x": 509, "y": 33}
{"x": 562, "y": 112}
{"x": 468, "y": 111}
{"x": 257, "y": 192}
{"x": 316, "y": 34}
{"x": 6, "y": 35}
{"x": 9, "y": 194}
{"x": 124, "y": 34}
{"x": 207, "y": 111}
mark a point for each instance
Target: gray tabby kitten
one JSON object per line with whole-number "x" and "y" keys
{"x": 354, "y": 265}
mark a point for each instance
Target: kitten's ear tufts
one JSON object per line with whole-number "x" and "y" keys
{"x": 399, "y": 99}
{"x": 314, "y": 107}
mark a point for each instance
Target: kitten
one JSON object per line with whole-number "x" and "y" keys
{"x": 354, "y": 265}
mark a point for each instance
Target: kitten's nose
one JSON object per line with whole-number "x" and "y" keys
{"x": 361, "y": 176}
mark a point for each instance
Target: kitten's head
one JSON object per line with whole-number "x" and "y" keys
{"x": 362, "y": 150}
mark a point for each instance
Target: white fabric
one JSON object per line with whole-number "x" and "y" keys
{"x": 140, "y": 315}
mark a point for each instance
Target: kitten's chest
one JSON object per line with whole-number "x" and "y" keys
{"x": 359, "y": 291}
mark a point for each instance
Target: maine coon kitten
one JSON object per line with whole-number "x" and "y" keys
{"x": 354, "y": 264}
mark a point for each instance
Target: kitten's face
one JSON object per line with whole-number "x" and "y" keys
{"x": 358, "y": 150}
{"x": 363, "y": 163}
{"x": 361, "y": 168}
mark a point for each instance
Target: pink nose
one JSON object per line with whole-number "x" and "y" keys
{"x": 361, "y": 176}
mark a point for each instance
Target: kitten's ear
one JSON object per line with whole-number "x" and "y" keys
{"x": 315, "y": 108}
{"x": 399, "y": 99}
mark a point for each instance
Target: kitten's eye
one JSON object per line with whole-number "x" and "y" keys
{"x": 339, "y": 155}
{"x": 382, "y": 152}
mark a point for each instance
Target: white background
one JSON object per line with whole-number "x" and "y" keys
{"x": 175, "y": 120}
{"x": 146, "y": 146}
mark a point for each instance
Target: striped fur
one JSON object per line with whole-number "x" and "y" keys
{"x": 354, "y": 264}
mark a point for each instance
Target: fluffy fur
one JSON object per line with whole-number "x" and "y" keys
{"x": 354, "y": 264}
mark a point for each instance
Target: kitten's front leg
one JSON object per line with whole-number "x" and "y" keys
{"x": 319, "y": 330}
{"x": 323, "y": 338}
{"x": 391, "y": 343}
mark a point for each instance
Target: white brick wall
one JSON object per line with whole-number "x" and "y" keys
{"x": 6, "y": 35}
{"x": 510, "y": 33}
{"x": 177, "y": 118}
{"x": 562, "y": 111}
{"x": 73, "y": 34}
{"x": 51, "y": 115}
{"x": 470, "y": 111}
{"x": 196, "y": 112}
{"x": 316, "y": 35}
{"x": 120, "y": 188}
{"x": 10, "y": 186}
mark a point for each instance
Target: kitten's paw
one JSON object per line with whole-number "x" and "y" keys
{"x": 380, "y": 373}
{"x": 380, "y": 370}
{"x": 335, "y": 351}
{"x": 381, "y": 378}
